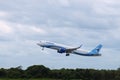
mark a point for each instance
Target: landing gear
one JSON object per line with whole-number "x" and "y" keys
{"x": 67, "y": 54}
{"x": 42, "y": 48}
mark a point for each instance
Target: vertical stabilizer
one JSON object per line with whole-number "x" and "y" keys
{"x": 96, "y": 50}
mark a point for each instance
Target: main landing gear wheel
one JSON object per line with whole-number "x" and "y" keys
{"x": 67, "y": 54}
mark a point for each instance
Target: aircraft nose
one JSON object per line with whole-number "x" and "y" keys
{"x": 40, "y": 44}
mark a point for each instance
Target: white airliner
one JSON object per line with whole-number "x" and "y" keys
{"x": 70, "y": 50}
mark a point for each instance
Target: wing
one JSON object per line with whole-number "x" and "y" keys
{"x": 72, "y": 49}
{"x": 63, "y": 49}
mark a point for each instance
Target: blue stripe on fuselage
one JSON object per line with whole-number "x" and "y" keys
{"x": 52, "y": 46}
{"x": 85, "y": 54}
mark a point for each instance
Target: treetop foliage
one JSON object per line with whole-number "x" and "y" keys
{"x": 40, "y": 71}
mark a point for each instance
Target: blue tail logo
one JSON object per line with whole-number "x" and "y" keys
{"x": 96, "y": 50}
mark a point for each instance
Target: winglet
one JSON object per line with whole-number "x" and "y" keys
{"x": 80, "y": 46}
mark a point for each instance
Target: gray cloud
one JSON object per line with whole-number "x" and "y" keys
{"x": 24, "y": 23}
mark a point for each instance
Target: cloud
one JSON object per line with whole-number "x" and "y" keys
{"x": 61, "y": 3}
{"x": 107, "y": 8}
{"x": 29, "y": 29}
{"x": 5, "y": 28}
{"x": 38, "y": 30}
{"x": 3, "y": 14}
{"x": 71, "y": 22}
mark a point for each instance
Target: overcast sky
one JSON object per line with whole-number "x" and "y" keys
{"x": 23, "y": 23}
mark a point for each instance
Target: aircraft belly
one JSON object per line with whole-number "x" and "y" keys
{"x": 54, "y": 48}
{"x": 78, "y": 52}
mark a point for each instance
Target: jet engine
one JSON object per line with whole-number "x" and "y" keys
{"x": 62, "y": 50}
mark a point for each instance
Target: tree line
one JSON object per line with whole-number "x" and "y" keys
{"x": 40, "y": 71}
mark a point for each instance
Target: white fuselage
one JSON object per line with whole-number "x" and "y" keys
{"x": 67, "y": 49}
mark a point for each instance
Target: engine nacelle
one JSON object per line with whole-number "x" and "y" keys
{"x": 62, "y": 50}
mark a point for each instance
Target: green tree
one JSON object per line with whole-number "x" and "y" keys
{"x": 37, "y": 71}
{"x": 117, "y": 77}
{"x": 3, "y": 73}
{"x": 15, "y": 72}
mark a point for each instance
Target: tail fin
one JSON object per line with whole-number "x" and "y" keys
{"x": 96, "y": 50}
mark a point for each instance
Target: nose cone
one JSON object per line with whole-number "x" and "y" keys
{"x": 40, "y": 44}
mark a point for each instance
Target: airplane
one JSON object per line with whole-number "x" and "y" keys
{"x": 70, "y": 50}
